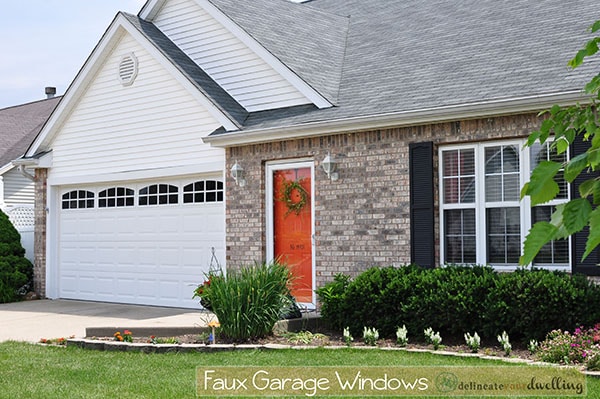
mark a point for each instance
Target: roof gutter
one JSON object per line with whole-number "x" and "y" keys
{"x": 399, "y": 119}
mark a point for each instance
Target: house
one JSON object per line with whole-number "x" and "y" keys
{"x": 334, "y": 135}
{"x": 19, "y": 125}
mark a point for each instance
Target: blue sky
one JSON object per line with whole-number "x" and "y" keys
{"x": 45, "y": 42}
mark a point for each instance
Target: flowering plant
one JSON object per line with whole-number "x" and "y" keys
{"x": 55, "y": 341}
{"x": 580, "y": 347}
{"x": 473, "y": 341}
{"x": 505, "y": 342}
{"x": 203, "y": 291}
{"x": 127, "y": 336}
{"x": 533, "y": 346}
{"x": 347, "y": 336}
{"x": 370, "y": 336}
{"x": 433, "y": 338}
{"x": 402, "y": 336}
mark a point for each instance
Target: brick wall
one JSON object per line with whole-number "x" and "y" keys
{"x": 39, "y": 262}
{"x": 362, "y": 219}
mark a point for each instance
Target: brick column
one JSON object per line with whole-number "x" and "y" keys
{"x": 39, "y": 262}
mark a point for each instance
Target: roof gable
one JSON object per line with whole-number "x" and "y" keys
{"x": 208, "y": 94}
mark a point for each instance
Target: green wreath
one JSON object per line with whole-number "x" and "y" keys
{"x": 286, "y": 196}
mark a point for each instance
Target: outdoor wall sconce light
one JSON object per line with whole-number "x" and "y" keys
{"x": 237, "y": 172}
{"x": 329, "y": 165}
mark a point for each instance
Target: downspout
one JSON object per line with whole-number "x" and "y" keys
{"x": 24, "y": 172}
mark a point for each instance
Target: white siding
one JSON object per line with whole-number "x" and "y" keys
{"x": 235, "y": 67}
{"x": 18, "y": 190}
{"x": 153, "y": 124}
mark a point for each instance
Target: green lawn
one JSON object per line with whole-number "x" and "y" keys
{"x": 34, "y": 371}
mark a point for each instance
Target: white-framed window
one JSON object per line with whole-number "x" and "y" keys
{"x": 483, "y": 220}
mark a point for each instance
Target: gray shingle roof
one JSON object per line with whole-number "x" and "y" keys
{"x": 400, "y": 56}
{"x": 311, "y": 43}
{"x": 19, "y": 125}
{"x": 219, "y": 97}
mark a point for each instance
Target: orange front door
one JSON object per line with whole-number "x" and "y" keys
{"x": 292, "y": 227}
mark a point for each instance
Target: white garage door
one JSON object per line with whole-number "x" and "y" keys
{"x": 142, "y": 243}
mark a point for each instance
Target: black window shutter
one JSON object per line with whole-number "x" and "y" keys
{"x": 422, "y": 242}
{"x": 578, "y": 240}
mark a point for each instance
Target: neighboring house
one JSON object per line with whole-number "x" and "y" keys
{"x": 19, "y": 125}
{"x": 198, "y": 131}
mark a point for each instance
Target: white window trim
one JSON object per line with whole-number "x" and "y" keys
{"x": 480, "y": 205}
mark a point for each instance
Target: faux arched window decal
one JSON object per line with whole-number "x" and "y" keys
{"x": 78, "y": 199}
{"x": 116, "y": 197}
{"x": 159, "y": 194}
{"x": 203, "y": 191}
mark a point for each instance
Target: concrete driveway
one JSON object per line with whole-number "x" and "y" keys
{"x": 32, "y": 320}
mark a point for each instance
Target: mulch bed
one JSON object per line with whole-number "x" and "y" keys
{"x": 322, "y": 340}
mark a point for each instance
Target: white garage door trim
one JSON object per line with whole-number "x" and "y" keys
{"x": 139, "y": 242}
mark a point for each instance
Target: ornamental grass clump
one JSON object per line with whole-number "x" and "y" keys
{"x": 249, "y": 301}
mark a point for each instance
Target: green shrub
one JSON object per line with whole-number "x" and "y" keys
{"x": 16, "y": 272}
{"x": 530, "y": 303}
{"x": 333, "y": 300}
{"x": 454, "y": 299}
{"x": 249, "y": 301}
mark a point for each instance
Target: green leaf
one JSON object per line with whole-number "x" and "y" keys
{"x": 587, "y": 188}
{"x": 593, "y": 239}
{"x": 542, "y": 187}
{"x": 562, "y": 144}
{"x": 596, "y": 193}
{"x": 593, "y": 158}
{"x": 576, "y": 214}
{"x": 539, "y": 234}
{"x": 575, "y": 166}
{"x": 593, "y": 86}
{"x": 557, "y": 220}
{"x": 591, "y": 47}
{"x": 532, "y": 138}
{"x": 546, "y": 126}
{"x": 578, "y": 59}
{"x": 595, "y": 27}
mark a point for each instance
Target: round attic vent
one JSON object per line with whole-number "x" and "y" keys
{"x": 128, "y": 69}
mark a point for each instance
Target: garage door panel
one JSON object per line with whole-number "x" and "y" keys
{"x": 86, "y": 285}
{"x": 152, "y": 255}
